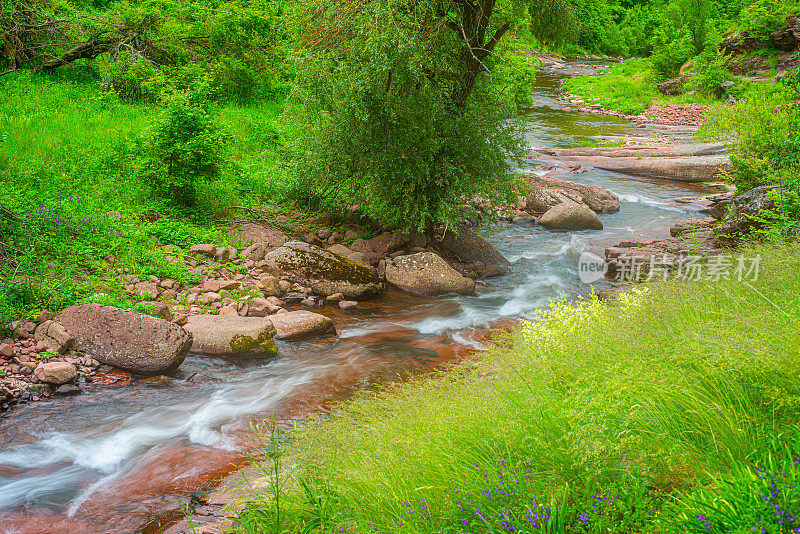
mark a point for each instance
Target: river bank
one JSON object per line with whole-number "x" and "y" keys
{"x": 213, "y": 510}
{"x": 143, "y": 464}
{"x": 642, "y": 415}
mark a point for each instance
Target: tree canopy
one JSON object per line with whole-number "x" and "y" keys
{"x": 399, "y": 105}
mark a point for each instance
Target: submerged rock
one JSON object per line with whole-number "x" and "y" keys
{"x": 301, "y": 324}
{"x": 323, "y": 271}
{"x": 425, "y": 273}
{"x": 232, "y": 335}
{"x": 685, "y": 169}
{"x": 133, "y": 341}
{"x": 570, "y": 216}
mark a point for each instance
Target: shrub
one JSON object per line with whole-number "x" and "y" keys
{"x": 187, "y": 148}
{"x": 762, "y": 17}
{"x": 673, "y": 48}
{"x": 710, "y": 72}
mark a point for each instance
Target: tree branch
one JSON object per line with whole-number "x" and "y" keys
{"x": 489, "y": 47}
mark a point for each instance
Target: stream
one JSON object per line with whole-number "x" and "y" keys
{"x": 125, "y": 455}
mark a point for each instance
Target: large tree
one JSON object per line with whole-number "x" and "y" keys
{"x": 398, "y": 105}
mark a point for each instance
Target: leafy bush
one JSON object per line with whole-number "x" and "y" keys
{"x": 672, "y": 48}
{"x": 766, "y": 150}
{"x": 389, "y": 120}
{"x": 710, "y": 72}
{"x": 187, "y": 148}
{"x": 762, "y": 17}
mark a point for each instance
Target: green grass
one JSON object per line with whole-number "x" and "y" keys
{"x": 660, "y": 405}
{"x": 74, "y": 150}
{"x": 629, "y": 88}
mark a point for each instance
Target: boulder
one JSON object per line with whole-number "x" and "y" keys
{"x": 232, "y": 335}
{"x": 54, "y": 334}
{"x": 322, "y": 271}
{"x": 740, "y": 214}
{"x": 426, "y": 273}
{"x": 547, "y": 192}
{"x": 739, "y": 43}
{"x": 301, "y": 324}
{"x": 56, "y": 373}
{"x": 570, "y": 216}
{"x": 672, "y": 86}
{"x": 787, "y": 38}
{"x": 361, "y": 245}
{"x": 469, "y": 247}
{"x": 342, "y": 250}
{"x": 270, "y": 285}
{"x": 682, "y": 169}
{"x": 133, "y": 341}
{"x": 691, "y": 225}
{"x": 150, "y": 289}
{"x": 255, "y": 252}
{"x": 205, "y": 249}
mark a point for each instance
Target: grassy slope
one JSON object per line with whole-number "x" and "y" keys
{"x": 671, "y": 388}
{"x": 631, "y": 88}
{"x": 61, "y": 136}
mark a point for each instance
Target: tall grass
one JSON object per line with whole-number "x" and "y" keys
{"x": 597, "y": 416}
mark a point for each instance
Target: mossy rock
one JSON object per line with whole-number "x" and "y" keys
{"x": 323, "y": 271}
{"x": 231, "y": 335}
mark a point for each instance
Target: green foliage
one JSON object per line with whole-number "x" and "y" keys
{"x": 162, "y": 46}
{"x": 380, "y": 125}
{"x": 762, "y": 17}
{"x": 628, "y": 87}
{"x": 672, "y": 48}
{"x": 555, "y": 23}
{"x": 709, "y": 73}
{"x": 600, "y": 414}
{"x": 766, "y": 136}
{"x": 187, "y": 149}
{"x": 514, "y": 73}
{"x": 766, "y": 150}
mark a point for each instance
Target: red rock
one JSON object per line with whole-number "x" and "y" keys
{"x": 56, "y": 372}
{"x": 126, "y": 339}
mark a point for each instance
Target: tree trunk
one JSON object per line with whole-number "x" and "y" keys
{"x": 88, "y": 50}
{"x": 472, "y": 26}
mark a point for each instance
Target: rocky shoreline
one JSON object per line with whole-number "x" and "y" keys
{"x": 272, "y": 286}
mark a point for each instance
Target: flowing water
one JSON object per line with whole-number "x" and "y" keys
{"x": 127, "y": 452}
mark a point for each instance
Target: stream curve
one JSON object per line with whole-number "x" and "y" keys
{"x": 127, "y": 454}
